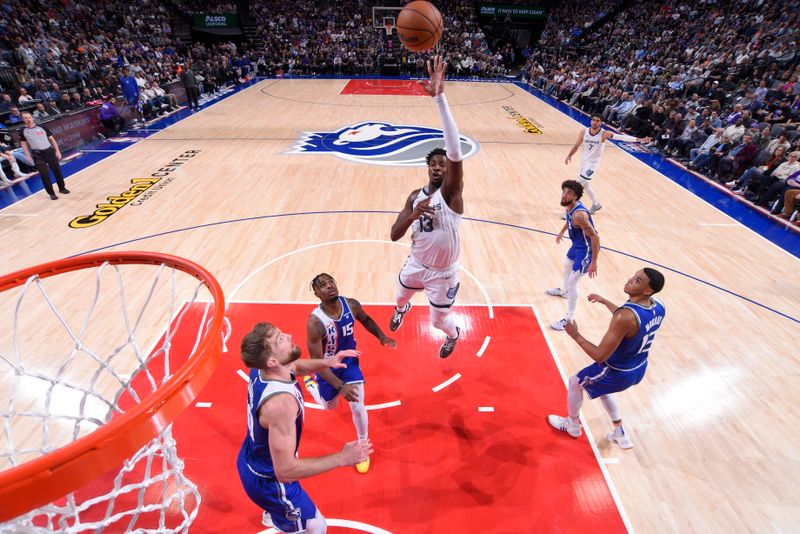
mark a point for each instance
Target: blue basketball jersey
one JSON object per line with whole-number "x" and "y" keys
{"x": 576, "y": 235}
{"x": 255, "y": 449}
{"x": 632, "y": 352}
{"x": 338, "y": 332}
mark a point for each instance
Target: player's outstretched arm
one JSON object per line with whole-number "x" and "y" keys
{"x": 370, "y": 324}
{"x": 574, "y": 148}
{"x": 278, "y": 414}
{"x": 409, "y": 214}
{"x": 454, "y": 179}
{"x": 315, "y": 331}
{"x": 594, "y": 297}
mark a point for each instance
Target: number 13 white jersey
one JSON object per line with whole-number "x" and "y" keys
{"x": 436, "y": 240}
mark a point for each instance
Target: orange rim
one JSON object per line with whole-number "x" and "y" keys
{"x": 50, "y": 477}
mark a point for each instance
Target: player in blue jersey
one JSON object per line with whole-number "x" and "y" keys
{"x": 329, "y": 330}
{"x": 582, "y": 253}
{"x": 268, "y": 465}
{"x": 620, "y": 359}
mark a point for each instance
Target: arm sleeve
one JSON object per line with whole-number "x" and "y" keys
{"x": 623, "y": 137}
{"x": 452, "y": 141}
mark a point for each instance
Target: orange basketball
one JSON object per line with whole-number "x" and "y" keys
{"x": 419, "y": 26}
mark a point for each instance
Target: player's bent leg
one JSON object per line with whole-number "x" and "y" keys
{"x": 318, "y": 525}
{"x": 405, "y": 290}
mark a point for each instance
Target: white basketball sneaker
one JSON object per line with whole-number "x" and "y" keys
{"x": 620, "y": 437}
{"x": 564, "y": 424}
{"x": 559, "y": 325}
{"x": 556, "y": 292}
{"x": 266, "y": 519}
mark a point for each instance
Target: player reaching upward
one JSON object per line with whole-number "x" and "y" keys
{"x": 434, "y": 215}
{"x": 268, "y": 465}
{"x": 620, "y": 359}
{"x": 329, "y": 330}
{"x": 593, "y": 140}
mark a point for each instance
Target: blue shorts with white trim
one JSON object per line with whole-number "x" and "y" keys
{"x": 581, "y": 258}
{"x": 349, "y": 375}
{"x": 288, "y": 504}
{"x": 599, "y": 379}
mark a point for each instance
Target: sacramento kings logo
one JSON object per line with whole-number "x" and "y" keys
{"x": 379, "y": 143}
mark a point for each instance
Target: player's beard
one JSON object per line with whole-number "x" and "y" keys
{"x": 566, "y": 202}
{"x": 294, "y": 354}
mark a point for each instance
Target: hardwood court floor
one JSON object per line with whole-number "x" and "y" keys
{"x": 715, "y": 447}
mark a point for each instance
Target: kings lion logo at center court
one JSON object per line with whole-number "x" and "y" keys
{"x": 379, "y": 143}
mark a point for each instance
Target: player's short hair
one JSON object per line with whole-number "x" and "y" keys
{"x": 573, "y": 185}
{"x": 598, "y": 117}
{"x": 655, "y": 279}
{"x": 255, "y": 348}
{"x": 435, "y": 152}
{"x": 315, "y": 282}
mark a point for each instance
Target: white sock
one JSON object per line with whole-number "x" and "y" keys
{"x": 359, "y": 412}
{"x": 572, "y": 293}
{"x": 574, "y": 398}
{"x": 567, "y": 271}
{"x": 611, "y": 406}
{"x": 587, "y": 188}
{"x": 314, "y": 391}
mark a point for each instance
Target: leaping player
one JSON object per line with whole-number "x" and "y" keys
{"x": 593, "y": 140}
{"x": 434, "y": 215}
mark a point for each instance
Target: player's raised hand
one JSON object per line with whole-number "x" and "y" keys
{"x": 594, "y": 297}
{"x": 571, "y": 328}
{"x": 356, "y": 452}
{"x": 437, "y": 66}
{"x": 337, "y": 363}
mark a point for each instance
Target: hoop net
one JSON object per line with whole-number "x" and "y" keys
{"x": 388, "y": 24}
{"x": 90, "y": 382}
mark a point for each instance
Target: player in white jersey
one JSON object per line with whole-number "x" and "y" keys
{"x": 434, "y": 215}
{"x": 593, "y": 140}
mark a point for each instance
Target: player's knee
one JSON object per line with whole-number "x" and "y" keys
{"x": 574, "y": 382}
{"x": 318, "y": 525}
{"x": 439, "y": 317}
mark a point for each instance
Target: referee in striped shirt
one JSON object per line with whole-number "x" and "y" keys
{"x": 41, "y": 147}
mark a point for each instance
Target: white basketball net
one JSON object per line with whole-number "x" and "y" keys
{"x": 79, "y": 374}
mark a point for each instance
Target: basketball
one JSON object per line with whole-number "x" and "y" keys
{"x": 419, "y": 26}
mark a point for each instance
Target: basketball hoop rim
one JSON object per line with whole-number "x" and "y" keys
{"x": 50, "y": 477}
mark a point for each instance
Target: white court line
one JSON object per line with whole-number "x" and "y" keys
{"x": 315, "y": 406}
{"x": 485, "y": 408}
{"x": 102, "y": 150}
{"x": 243, "y": 375}
{"x": 379, "y": 303}
{"x": 600, "y": 460}
{"x": 19, "y": 214}
{"x": 203, "y": 404}
{"x": 486, "y": 341}
{"x": 346, "y": 523}
{"x": 447, "y": 382}
{"x": 610, "y": 460}
{"x": 232, "y": 294}
{"x": 384, "y": 405}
